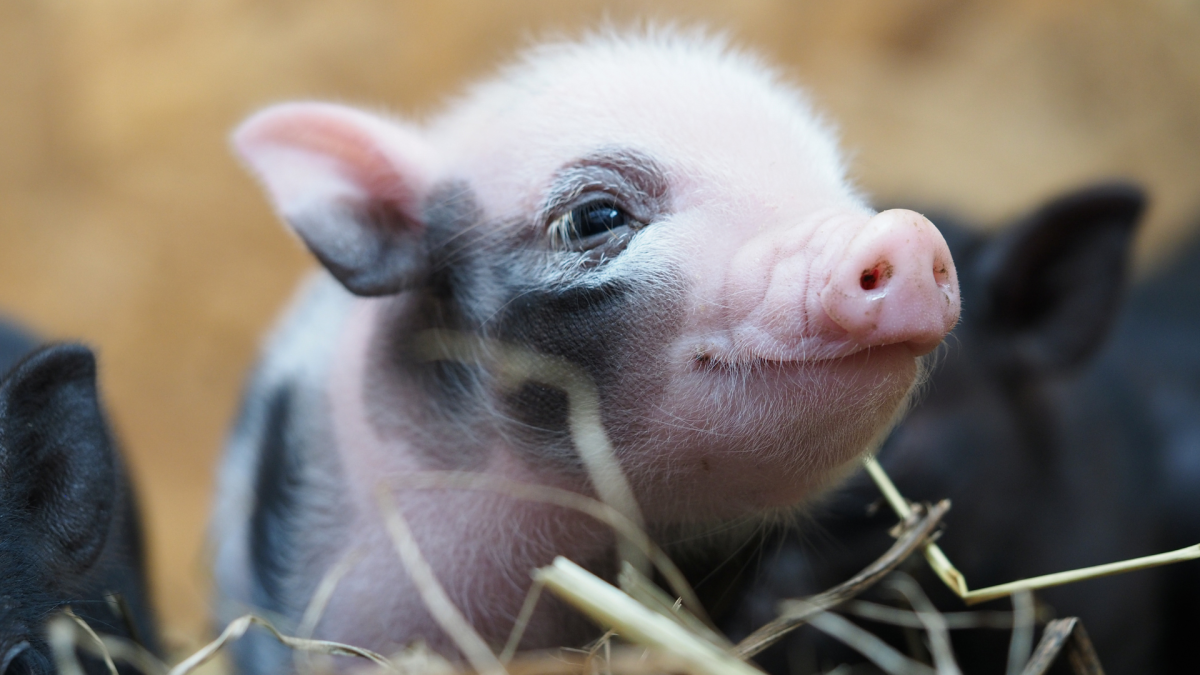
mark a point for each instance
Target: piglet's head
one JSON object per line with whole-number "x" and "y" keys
{"x": 662, "y": 212}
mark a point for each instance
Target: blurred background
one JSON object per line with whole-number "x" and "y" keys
{"x": 125, "y": 222}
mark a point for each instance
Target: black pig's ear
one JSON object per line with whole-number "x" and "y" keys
{"x": 57, "y": 473}
{"x": 15, "y": 344}
{"x": 1052, "y": 284}
{"x": 351, "y": 184}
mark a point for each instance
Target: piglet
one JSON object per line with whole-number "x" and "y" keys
{"x": 662, "y": 212}
{"x": 69, "y": 529}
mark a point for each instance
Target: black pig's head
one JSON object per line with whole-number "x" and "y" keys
{"x": 58, "y": 492}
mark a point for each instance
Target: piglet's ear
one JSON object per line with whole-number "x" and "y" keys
{"x": 1053, "y": 283}
{"x": 350, "y": 184}
{"x": 57, "y": 464}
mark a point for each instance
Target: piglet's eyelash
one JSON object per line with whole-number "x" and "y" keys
{"x": 589, "y": 221}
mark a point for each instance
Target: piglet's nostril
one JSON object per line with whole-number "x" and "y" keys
{"x": 941, "y": 273}
{"x": 875, "y": 276}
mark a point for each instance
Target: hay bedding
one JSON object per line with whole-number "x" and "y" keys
{"x": 648, "y": 630}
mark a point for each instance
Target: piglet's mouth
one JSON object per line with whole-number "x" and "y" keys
{"x": 716, "y": 361}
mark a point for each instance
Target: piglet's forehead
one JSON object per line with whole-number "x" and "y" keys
{"x": 718, "y": 123}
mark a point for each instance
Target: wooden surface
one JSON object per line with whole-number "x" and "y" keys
{"x": 124, "y": 221}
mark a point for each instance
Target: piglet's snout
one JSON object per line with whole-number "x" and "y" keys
{"x": 896, "y": 284}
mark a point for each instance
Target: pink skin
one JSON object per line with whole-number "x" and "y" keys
{"x": 764, "y": 301}
{"x": 895, "y": 285}
{"x": 803, "y": 318}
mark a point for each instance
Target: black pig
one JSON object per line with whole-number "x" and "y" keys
{"x": 1049, "y": 437}
{"x": 69, "y": 533}
{"x": 1157, "y": 339}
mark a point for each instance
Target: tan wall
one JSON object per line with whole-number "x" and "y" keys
{"x": 124, "y": 221}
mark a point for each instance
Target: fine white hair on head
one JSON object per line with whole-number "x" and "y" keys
{"x": 655, "y": 46}
{"x": 683, "y": 56}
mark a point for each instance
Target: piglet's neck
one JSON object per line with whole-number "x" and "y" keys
{"x": 371, "y": 451}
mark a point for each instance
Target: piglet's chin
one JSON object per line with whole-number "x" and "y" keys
{"x": 736, "y": 440}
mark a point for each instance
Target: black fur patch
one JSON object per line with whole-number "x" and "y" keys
{"x": 453, "y": 392}
{"x": 278, "y": 483}
{"x": 612, "y": 331}
{"x": 505, "y": 281}
{"x": 539, "y": 415}
{"x": 587, "y": 325}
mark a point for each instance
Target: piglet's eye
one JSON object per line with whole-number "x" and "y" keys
{"x": 589, "y": 220}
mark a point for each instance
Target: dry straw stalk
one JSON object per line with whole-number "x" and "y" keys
{"x": 957, "y": 582}
{"x": 635, "y": 622}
